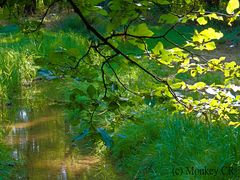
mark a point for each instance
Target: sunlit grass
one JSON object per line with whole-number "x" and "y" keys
{"x": 151, "y": 150}
{"x": 15, "y": 69}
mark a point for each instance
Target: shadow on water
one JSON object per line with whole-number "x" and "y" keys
{"x": 40, "y": 140}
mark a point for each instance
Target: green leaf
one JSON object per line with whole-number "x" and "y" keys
{"x": 232, "y": 5}
{"x": 105, "y": 137}
{"x": 168, "y": 19}
{"x": 142, "y": 30}
{"x": 214, "y": 16}
{"x": 214, "y": 103}
{"x": 179, "y": 85}
{"x": 82, "y": 135}
{"x": 205, "y": 36}
{"x": 137, "y": 121}
{"x": 182, "y": 70}
{"x": 73, "y": 52}
{"x": 193, "y": 72}
{"x": 138, "y": 43}
{"x": 91, "y": 91}
{"x": 163, "y": 2}
{"x": 211, "y": 33}
{"x": 210, "y": 46}
{"x": 75, "y": 93}
{"x": 82, "y": 100}
{"x": 231, "y": 64}
{"x": 236, "y": 124}
{"x": 95, "y": 2}
{"x": 113, "y": 105}
{"x": 78, "y": 92}
{"x": 188, "y": 1}
{"x": 202, "y": 21}
{"x": 157, "y": 48}
{"x": 215, "y": 62}
{"x": 199, "y": 85}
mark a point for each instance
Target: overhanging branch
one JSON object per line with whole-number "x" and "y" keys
{"x": 119, "y": 52}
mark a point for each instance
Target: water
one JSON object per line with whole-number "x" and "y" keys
{"x": 41, "y": 142}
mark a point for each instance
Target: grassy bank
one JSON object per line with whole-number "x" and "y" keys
{"x": 154, "y": 149}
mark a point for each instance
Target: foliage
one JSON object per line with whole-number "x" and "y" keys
{"x": 214, "y": 102}
{"x": 122, "y": 61}
{"x": 110, "y": 88}
{"x": 15, "y": 69}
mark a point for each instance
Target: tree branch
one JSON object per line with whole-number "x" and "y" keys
{"x": 103, "y": 78}
{"x": 117, "y": 51}
{"x": 83, "y": 57}
{"x": 140, "y": 37}
{"x": 123, "y": 85}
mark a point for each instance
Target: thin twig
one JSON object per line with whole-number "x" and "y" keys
{"x": 83, "y": 57}
{"x": 103, "y": 78}
{"x": 123, "y": 85}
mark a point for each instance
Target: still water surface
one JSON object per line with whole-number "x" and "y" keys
{"x": 40, "y": 139}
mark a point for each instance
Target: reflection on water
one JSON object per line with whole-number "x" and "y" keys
{"x": 38, "y": 137}
{"x": 23, "y": 115}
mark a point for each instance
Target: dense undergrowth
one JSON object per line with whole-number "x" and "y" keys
{"x": 149, "y": 143}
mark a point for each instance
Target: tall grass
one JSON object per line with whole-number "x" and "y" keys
{"x": 15, "y": 69}
{"x": 18, "y": 52}
{"x": 164, "y": 142}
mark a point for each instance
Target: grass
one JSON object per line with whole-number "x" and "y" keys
{"x": 151, "y": 150}
{"x": 15, "y": 69}
{"x": 18, "y": 52}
